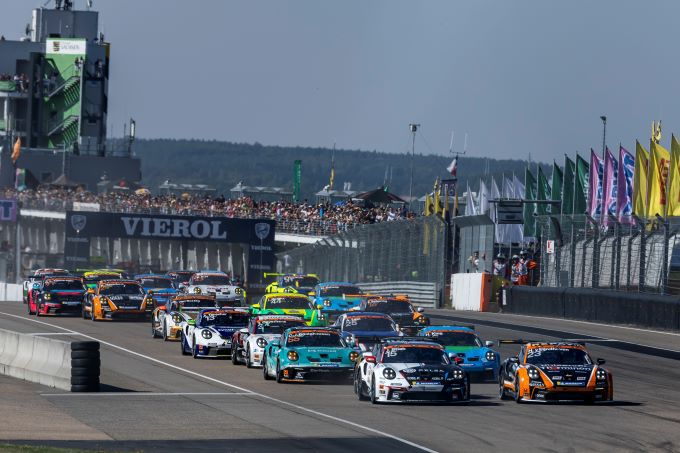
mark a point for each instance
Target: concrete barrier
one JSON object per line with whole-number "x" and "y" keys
{"x": 36, "y": 359}
{"x": 422, "y": 294}
{"x": 11, "y": 291}
{"x": 471, "y": 291}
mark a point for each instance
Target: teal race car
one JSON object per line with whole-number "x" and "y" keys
{"x": 308, "y": 353}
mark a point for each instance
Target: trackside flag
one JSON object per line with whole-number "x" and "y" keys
{"x": 595, "y": 185}
{"x": 543, "y": 193}
{"x": 611, "y": 172}
{"x": 529, "y": 208}
{"x": 674, "y": 175}
{"x": 556, "y": 186}
{"x": 453, "y": 167}
{"x": 640, "y": 180}
{"x": 624, "y": 198}
{"x": 659, "y": 161}
{"x": 568, "y": 186}
{"x": 581, "y": 190}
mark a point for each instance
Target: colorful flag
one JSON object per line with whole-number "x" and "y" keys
{"x": 297, "y": 172}
{"x": 453, "y": 167}
{"x": 659, "y": 161}
{"x": 16, "y": 152}
{"x": 436, "y": 198}
{"x": 568, "y": 186}
{"x": 469, "y": 203}
{"x": 529, "y": 208}
{"x": 624, "y": 198}
{"x": 581, "y": 191}
{"x": 483, "y": 198}
{"x": 595, "y": 185}
{"x": 674, "y": 175}
{"x": 640, "y": 180}
{"x": 543, "y": 193}
{"x": 519, "y": 187}
{"x": 556, "y": 186}
{"x": 496, "y": 194}
{"x": 428, "y": 205}
{"x": 611, "y": 172}
{"x": 331, "y": 180}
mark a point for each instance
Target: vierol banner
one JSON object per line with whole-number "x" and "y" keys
{"x": 258, "y": 234}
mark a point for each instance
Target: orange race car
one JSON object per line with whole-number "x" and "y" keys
{"x": 117, "y": 299}
{"x": 544, "y": 371}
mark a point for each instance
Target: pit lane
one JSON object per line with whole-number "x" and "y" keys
{"x": 155, "y": 398}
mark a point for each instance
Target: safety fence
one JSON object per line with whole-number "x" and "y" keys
{"x": 640, "y": 256}
{"x": 400, "y": 251}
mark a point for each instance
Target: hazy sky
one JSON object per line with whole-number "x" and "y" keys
{"x": 519, "y": 76}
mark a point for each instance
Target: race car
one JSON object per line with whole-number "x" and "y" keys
{"x": 336, "y": 298}
{"x": 216, "y": 284}
{"x": 210, "y": 334}
{"x": 57, "y": 296}
{"x": 401, "y": 310}
{"x": 168, "y": 319}
{"x": 248, "y": 344}
{"x": 117, "y": 299}
{"x": 292, "y": 283}
{"x": 364, "y": 329}
{"x": 289, "y": 304}
{"x": 409, "y": 369}
{"x": 308, "y": 353}
{"x": 37, "y": 276}
{"x": 180, "y": 277}
{"x": 547, "y": 371}
{"x": 161, "y": 286}
{"x": 464, "y": 347}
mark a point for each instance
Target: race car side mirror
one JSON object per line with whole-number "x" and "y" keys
{"x": 601, "y": 361}
{"x": 182, "y": 287}
{"x": 243, "y": 330}
{"x": 489, "y": 343}
{"x": 275, "y": 343}
{"x": 191, "y": 322}
{"x": 421, "y": 309}
{"x": 36, "y": 285}
{"x": 319, "y": 307}
{"x": 255, "y": 306}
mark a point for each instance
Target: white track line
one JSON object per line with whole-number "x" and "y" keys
{"x": 42, "y": 334}
{"x": 242, "y": 389}
{"x": 98, "y": 394}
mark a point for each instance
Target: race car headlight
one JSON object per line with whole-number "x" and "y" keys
{"x": 238, "y": 291}
{"x": 421, "y": 320}
{"x": 601, "y": 375}
{"x": 292, "y": 356}
{"x": 533, "y": 374}
{"x": 322, "y": 317}
{"x": 326, "y": 303}
{"x": 389, "y": 373}
{"x": 47, "y": 296}
{"x": 261, "y": 342}
{"x": 353, "y": 356}
{"x": 176, "y": 319}
{"x": 206, "y": 334}
{"x": 490, "y": 356}
{"x": 197, "y": 290}
{"x": 456, "y": 375}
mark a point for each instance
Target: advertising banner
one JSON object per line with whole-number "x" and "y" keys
{"x": 8, "y": 210}
{"x": 62, "y": 46}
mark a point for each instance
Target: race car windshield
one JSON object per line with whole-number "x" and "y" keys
{"x": 389, "y": 306}
{"x": 74, "y": 285}
{"x": 456, "y": 338}
{"x": 215, "y": 280}
{"x": 225, "y": 319}
{"x": 302, "y": 282}
{"x": 98, "y": 277}
{"x": 356, "y": 323}
{"x": 285, "y": 303}
{"x": 315, "y": 340}
{"x": 161, "y": 283}
{"x": 130, "y": 290}
{"x": 339, "y": 291}
{"x": 557, "y": 356}
{"x": 198, "y": 303}
{"x": 415, "y": 355}
{"x": 276, "y": 327}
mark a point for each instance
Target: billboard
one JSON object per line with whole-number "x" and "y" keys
{"x": 63, "y": 46}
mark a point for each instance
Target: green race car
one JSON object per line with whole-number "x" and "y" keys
{"x": 290, "y": 304}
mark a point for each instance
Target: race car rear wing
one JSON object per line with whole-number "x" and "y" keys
{"x": 407, "y": 339}
{"x": 564, "y": 341}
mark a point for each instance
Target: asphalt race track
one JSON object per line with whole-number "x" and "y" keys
{"x": 154, "y": 399}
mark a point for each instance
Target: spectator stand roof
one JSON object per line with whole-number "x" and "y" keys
{"x": 259, "y": 193}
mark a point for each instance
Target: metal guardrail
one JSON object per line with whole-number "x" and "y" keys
{"x": 422, "y": 294}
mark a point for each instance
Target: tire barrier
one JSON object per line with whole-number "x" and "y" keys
{"x": 607, "y": 307}
{"x": 85, "y": 366}
{"x": 72, "y": 366}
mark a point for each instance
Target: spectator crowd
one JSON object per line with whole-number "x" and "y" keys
{"x": 301, "y": 218}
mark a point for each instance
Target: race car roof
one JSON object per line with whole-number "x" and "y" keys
{"x": 193, "y": 296}
{"x": 451, "y": 328}
{"x": 278, "y": 318}
{"x": 367, "y": 314}
{"x": 119, "y": 282}
{"x": 292, "y": 295}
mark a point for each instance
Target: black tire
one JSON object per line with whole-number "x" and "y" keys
{"x": 85, "y": 372}
{"x": 37, "y": 309}
{"x": 589, "y": 400}
{"x": 502, "y": 393}
{"x": 85, "y": 388}
{"x": 266, "y": 375}
{"x": 279, "y": 374}
{"x": 84, "y": 355}
{"x": 518, "y": 399}
{"x": 85, "y": 380}
{"x": 92, "y": 317}
{"x": 29, "y": 309}
{"x": 165, "y": 332}
{"x": 85, "y": 346}
{"x": 181, "y": 344}
{"x": 154, "y": 333}
{"x": 83, "y": 312}
{"x": 193, "y": 349}
{"x": 247, "y": 359}
{"x": 359, "y": 387}
{"x": 373, "y": 393}
{"x": 86, "y": 363}
{"x": 234, "y": 355}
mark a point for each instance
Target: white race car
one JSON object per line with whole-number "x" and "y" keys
{"x": 216, "y": 284}
{"x": 167, "y": 321}
{"x": 409, "y": 369}
{"x": 209, "y": 335}
{"x": 249, "y": 344}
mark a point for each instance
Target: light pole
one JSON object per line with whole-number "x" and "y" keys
{"x": 604, "y": 133}
{"x": 414, "y": 128}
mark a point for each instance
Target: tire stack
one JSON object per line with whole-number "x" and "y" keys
{"x": 85, "y": 365}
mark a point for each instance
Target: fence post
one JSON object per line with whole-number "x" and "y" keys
{"x": 583, "y": 253}
{"x": 643, "y": 255}
{"x": 617, "y": 264}
{"x": 572, "y": 255}
{"x": 664, "y": 268}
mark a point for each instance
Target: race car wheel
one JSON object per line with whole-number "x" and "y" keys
{"x": 373, "y": 393}
{"x": 30, "y": 312}
{"x": 165, "y": 332}
{"x": 502, "y": 393}
{"x": 359, "y": 387}
{"x": 234, "y": 355}
{"x": 182, "y": 341}
{"x": 194, "y": 351}
{"x": 265, "y": 373}
{"x": 518, "y": 399}
{"x": 154, "y": 332}
{"x": 279, "y": 374}
{"x": 92, "y": 316}
{"x": 37, "y": 309}
{"x": 83, "y": 312}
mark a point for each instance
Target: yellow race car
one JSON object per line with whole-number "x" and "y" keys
{"x": 292, "y": 283}
{"x": 117, "y": 299}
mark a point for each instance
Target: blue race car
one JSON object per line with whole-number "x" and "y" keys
{"x": 463, "y": 345}
{"x": 336, "y": 298}
{"x": 162, "y": 286}
{"x": 365, "y": 329}
{"x": 308, "y": 353}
